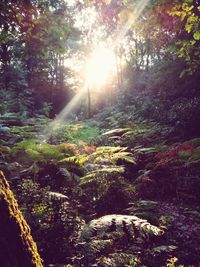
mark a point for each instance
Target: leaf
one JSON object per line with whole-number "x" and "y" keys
{"x": 129, "y": 159}
{"x": 129, "y": 223}
{"x": 161, "y": 249}
{"x": 123, "y": 155}
{"x": 109, "y": 149}
{"x": 75, "y": 159}
{"x": 196, "y": 35}
{"x": 117, "y": 131}
{"x": 97, "y": 174}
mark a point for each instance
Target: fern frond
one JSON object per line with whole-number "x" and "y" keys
{"x": 117, "y": 131}
{"x": 127, "y": 156}
{"x": 115, "y": 260}
{"x": 97, "y": 246}
{"x": 75, "y": 159}
{"x": 123, "y": 223}
{"x": 111, "y": 154}
{"x": 91, "y": 176}
{"x": 109, "y": 149}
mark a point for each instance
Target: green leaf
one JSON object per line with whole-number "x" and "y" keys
{"x": 97, "y": 174}
{"x": 196, "y": 35}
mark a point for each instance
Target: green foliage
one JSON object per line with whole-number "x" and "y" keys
{"x": 94, "y": 181}
{"x": 76, "y": 133}
{"x": 112, "y": 154}
{"x": 84, "y": 132}
{"x": 36, "y": 151}
{"x": 117, "y": 259}
{"x": 172, "y": 262}
{"x": 51, "y": 216}
{"x": 31, "y": 54}
{"x": 101, "y": 180}
{"x": 101, "y": 174}
{"x": 35, "y": 155}
{"x": 122, "y": 231}
{"x": 106, "y": 158}
{"x": 137, "y": 132}
{"x": 145, "y": 209}
{"x": 132, "y": 157}
{"x": 134, "y": 262}
{"x": 46, "y": 109}
{"x": 188, "y": 47}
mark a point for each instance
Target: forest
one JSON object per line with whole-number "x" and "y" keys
{"x": 99, "y": 133}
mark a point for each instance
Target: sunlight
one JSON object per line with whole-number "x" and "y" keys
{"x": 62, "y": 116}
{"x": 128, "y": 19}
{"x": 100, "y": 67}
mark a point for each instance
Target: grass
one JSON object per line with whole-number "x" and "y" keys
{"x": 81, "y": 132}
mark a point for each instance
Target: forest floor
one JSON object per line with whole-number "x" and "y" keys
{"x": 115, "y": 190}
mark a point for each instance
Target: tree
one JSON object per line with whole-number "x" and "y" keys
{"x": 188, "y": 43}
{"x": 16, "y": 243}
{"x": 32, "y": 49}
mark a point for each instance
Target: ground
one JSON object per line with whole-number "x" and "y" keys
{"x": 111, "y": 165}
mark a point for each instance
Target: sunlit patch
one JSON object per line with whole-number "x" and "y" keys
{"x": 100, "y": 67}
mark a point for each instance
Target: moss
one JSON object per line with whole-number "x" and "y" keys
{"x": 81, "y": 131}
{"x": 32, "y": 151}
{"x": 15, "y": 240}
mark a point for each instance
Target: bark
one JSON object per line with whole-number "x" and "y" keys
{"x": 17, "y": 248}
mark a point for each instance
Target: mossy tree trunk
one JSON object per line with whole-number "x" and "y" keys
{"x": 17, "y": 248}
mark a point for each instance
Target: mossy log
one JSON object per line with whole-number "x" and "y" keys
{"x": 17, "y": 248}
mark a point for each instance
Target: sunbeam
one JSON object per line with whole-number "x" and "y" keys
{"x": 139, "y": 8}
{"x": 58, "y": 121}
{"x": 122, "y": 31}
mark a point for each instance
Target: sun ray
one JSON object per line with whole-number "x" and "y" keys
{"x": 63, "y": 115}
{"x": 53, "y": 126}
{"x": 131, "y": 19}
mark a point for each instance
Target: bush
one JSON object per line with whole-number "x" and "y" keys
{"x": 51, "y": 217}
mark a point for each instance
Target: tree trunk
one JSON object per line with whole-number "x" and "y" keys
{"x": 17, "y": 248}
{"x": 89, "y": 103}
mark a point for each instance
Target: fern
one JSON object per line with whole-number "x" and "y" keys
{"x": 109, "y": 149}
{"x": 120, "y": 231}
{"x": 117, "y": 131}
{"x": 123, "y": 224}
{"x": 145, "y": 209}
{"x": 33, "y": 151}
{"x": 126, "y": 156}
{"x": 115, "y": 260}
{"x": 101, "y": 163}
{"x": 112, "y": 154}
{"x": 106, "y": 171}
{"x": 80, "y": 160}
{"x": 105, "y": 153}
